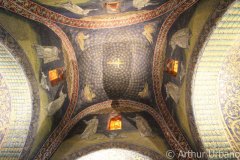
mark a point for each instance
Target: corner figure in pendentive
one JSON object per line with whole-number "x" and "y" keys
{"x": 91, "y": 128}
{"x": 143, "y": 127}
{"x": 181, "y": 39}
{"x": 56, "y": 105}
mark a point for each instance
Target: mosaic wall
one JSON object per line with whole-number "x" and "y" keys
{"x": 215, "y": 89}
{"x": 115, "y": 153}
{"x": 115, "y": 150}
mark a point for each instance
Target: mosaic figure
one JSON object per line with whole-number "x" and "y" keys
{"x": 76, "y": 9}
{"x": 87, "y": 94}
{"x": 91, "y": 128}
{"x": 180, "y": 39}
{"x": 145, "y": 92}
{"x": 143, "y": 126}
{"x": 55, "y": 105}
{"x": 81, "y": 40}
{"x": 172, "y": 91}
{"x": 44, "y": 83}
{"x": 47, "y": 53}
{"x": 149, "y": 29}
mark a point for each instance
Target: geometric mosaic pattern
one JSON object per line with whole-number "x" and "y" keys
{"x": 216, "y": 88}
{"x": 21, "y": 105}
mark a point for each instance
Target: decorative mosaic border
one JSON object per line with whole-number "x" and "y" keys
{"x": 127, "y": 146}
{"x": 18, "y": 53}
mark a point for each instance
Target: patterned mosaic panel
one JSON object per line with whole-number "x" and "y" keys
{"x": 21, "y": 105}
{"x": 215, "y": 89}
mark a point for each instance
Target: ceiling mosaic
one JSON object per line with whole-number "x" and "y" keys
{"x": 110, "y": 68}
{"x": 104, "y": 57}
{"x": 16, "y": 105}
{"x": 115, "y": 63}
{"x": 86, "y": 8}
{"x": 19, "y": 99}
{"x": 217, "y": 104}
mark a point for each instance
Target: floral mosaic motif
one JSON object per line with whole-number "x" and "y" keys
{"x": 230, "y": 93}
{"x": 5, "y": 108}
